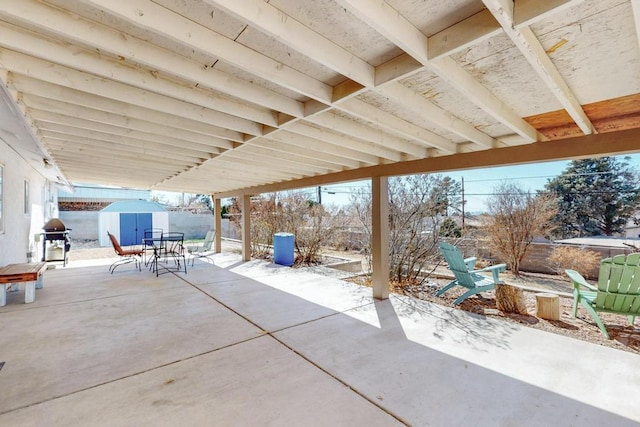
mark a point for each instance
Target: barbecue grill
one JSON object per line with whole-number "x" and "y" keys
{"x": 55, "y": 241}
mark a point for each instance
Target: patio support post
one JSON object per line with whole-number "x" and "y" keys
{"x": 217, "y": 224}
{"x": 380, "y": 236}
{"x": 246, "y": 227}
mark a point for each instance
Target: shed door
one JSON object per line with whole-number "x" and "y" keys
{"x": 132, "y": 226}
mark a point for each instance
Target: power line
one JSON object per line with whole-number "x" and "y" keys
{"x": 541, "y": 176}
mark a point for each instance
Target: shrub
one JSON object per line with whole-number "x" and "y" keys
{"x": 581, "y": 260}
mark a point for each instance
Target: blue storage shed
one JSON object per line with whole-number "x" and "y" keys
{"x": 128, "y": 219}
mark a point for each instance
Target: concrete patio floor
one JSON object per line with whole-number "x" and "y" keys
{"x": 257, "y": 344}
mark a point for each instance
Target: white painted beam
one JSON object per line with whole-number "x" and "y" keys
{"x": 80, "y": 123}
{"x": 466, "y": 33}
{"x": 309, "y": 151}
{"x": 341, "y": 140}
{"x": 237, "y": 164}
{"x": 53, "y": 93}
{"x": 388, "y": 22}
{"x": 436, "y": 115}
{"x": 61, "y": 144}
{"x": 528, "y": 12}
{"x": 89, "y": 62}
{"x": 268, "y": 19}
{"x": 259, "y": 159}
{"x": 35, "y": 102}
{"x": 395, "y": 124}
{"x": 350, "y": 155}
{"x": 271, "y": 156}
{"x": 454, "y": 74}
{"x": 356, "y": 130}
{"x": 532, "y": 50}
{"x": 78, "y": 80}
{"x": 118, "y": 143}
{"x": 635, "y": 5}
{"x": 81, "y": 31}
{"x": 162, "y": 21}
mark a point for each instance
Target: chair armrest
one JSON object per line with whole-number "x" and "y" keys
{"x": 495, "y": 269}
{"x": 471, "y": 262}
{"x": 578, "y": 280}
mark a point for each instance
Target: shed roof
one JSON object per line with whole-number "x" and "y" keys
{"x": 230, "y": 97}
{"x": 134, "y": 206}
{"x": 604, "y": 241}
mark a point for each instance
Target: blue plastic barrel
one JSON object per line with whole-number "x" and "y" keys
{"x": 283, "y": 249}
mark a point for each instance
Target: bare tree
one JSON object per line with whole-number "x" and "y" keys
{"x": 312, "y": 225}
{"x": 417, "y": 206}
{"x": 516, "y": 217}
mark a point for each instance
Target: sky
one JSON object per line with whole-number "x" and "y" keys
{"x": 478, "y": 183}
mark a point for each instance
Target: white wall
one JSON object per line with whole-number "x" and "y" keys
{"x": 108, "y": 221}
{"x": 18, "y": 228}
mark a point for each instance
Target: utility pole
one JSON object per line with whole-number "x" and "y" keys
{"x": 463, "y": 229}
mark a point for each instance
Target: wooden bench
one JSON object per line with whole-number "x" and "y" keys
{"x": 31, "y": 273}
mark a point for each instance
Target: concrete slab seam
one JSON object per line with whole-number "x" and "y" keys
{"x": 299, "y": 354}
{"x": 164, "y": 365}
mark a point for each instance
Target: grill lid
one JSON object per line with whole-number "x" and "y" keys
{"x": 54, "y": 224}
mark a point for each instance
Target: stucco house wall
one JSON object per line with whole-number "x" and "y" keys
{"x": 18, "y": 226}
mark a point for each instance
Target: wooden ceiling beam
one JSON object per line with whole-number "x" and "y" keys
{"x": 340, "y": 139}
{"x": 100, "y": 65}
{"x": 587, "y": 146}
{"x": 367, "y": 133}
{"x": 436, "y": 115}
{"x": 388, "y": 22}
{"x": 88, "y": 33}
{"x": 635, "y": 5}
{"x": 71, "y": 143}
{"x": 71, "y": 134}
{"x": 396, "y": 125}
{"x": 265, "y": 150}
{"x": 300, "y": 145}
{"x": 260, "y": 158}
{"x": 62, "y": 121}
{"x": 160, "y": 20}
{"x": 52, "y": 93}
{"x": 288, "y": 31}
{"x": 63, "y": 76}
{"x": 531, "y": 48}
{"x": 102, "y": 117}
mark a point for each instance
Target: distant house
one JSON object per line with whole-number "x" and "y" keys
{"x": 95, "y": 198}
{"x": 632, "y": 229}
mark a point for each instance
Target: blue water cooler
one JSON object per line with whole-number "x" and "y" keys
{"x": 283, "y": 249}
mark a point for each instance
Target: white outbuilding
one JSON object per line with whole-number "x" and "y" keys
{"x": 128, "y": 219}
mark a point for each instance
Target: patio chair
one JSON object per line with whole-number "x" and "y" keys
{"x": 203, "y": 250}
{"x": 126, "y": 256}
{"x": 465, "y": 275}
{"x": 618, "y": 289}
{"x": 150, "y": 238}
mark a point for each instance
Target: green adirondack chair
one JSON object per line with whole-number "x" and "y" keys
{"x": 618, "y": 289}
{"x": 466, "y": 276}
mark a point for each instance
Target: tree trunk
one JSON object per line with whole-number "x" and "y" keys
{"x": 510, "y": 299}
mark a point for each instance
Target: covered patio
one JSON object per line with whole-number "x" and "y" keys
{"x": 236, "y": 98}
{"x": 252, "y": 343}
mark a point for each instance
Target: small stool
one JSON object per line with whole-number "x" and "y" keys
{"x": 548, "y": 306}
